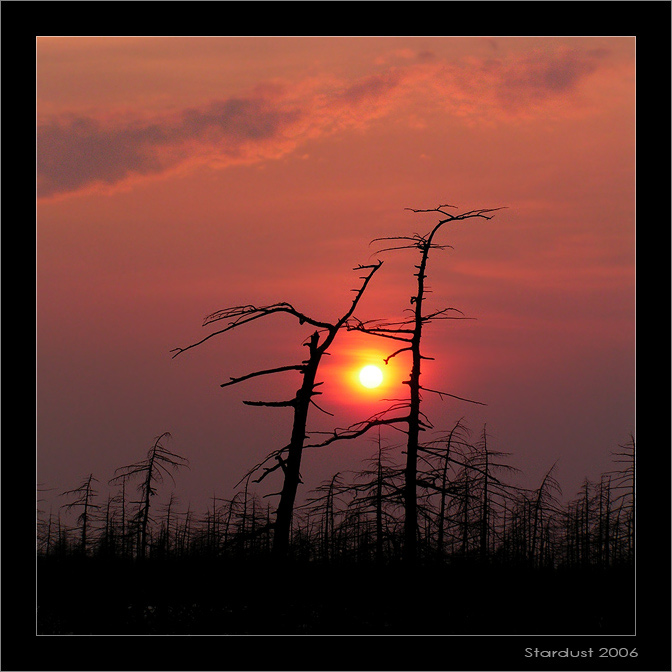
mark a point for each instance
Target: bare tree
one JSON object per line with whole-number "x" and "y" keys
{"x": 409, "y": 331}
{"x": 546, "y": 504}
{"x": 605, "y": 526}
{"x": 120, "y": 500}
{"x": 43, "y": 528}
{"x": 83, "y": 496}
{"x": 454, "y": 443}
{"x": 323, "y": 505}
{"x": 288, "y": 458}
{"x": 166, "y": 536}
{"x": 159, "y": 462}
{"x": 107, "y": 539}
{"x": 381, "y": 491}
{"x": 623, "y": 485}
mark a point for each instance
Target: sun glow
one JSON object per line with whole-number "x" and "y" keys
{"x": 371, "y": 376}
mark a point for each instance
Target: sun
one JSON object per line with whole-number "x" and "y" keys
{"x": 370, "y": 376}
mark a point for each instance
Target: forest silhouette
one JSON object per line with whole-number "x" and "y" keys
{"x": 428, "y": 536}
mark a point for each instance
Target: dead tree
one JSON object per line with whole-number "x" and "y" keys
{"x": 409, "y": 332}
{"x": 166, "y": 532}
{"x": 382, "y": 481}
{"x": 456, "y": 438}
{"x": 159, "y": 462}
{"x": 624, "y": 489}
{"x": 323, "y": 505}
{"x": 43, "y": 528}
{"x": 288, "y": 458}
{"x": 545, "y": 502}
{"x": 83, "y": 496}
{"x": 377, "y": 492}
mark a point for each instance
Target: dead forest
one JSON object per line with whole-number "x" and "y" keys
{"x": 427, "y": 536}
{"x": 127, "y": 565}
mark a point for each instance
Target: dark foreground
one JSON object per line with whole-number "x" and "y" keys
{"x": 209, "y": 597}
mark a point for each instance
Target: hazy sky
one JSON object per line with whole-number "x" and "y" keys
{"x": 176, "y": 176}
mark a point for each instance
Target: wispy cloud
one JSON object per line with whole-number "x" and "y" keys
{"x": 77, "y": 152}
{"x": 539, "y": 75}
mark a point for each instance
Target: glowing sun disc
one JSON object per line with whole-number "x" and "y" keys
{"x": 370, "y": 376}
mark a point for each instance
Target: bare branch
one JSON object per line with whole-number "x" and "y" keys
{"x": 439, "y": 313}
{"x": 276, "y": 454}
{"x": 319, "y": 408}
{"x": 291, "y": 402}
{"x": 454, "y": 396}
{"x": 400, "y": 247}
{"x": 240, "y": 315}
{"x": 414, "y": 237}
{"x": 383, "y": 333}
{"x": 294, "y": 367}
{"x": 387, "y": 359}
{"x": 390, "y": 327}
{"x": 358, "y": 429}
{"x": 343, "y": 321}
{"x": 481, "y": 212}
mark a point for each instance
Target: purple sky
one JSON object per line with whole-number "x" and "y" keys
{"x": 177, "y": 176}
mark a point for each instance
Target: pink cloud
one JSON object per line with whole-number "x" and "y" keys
{"x": 77, "y": 152}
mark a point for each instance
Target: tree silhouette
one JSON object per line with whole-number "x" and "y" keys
{"x": 43, "y": 528}
{"x": 166, "y": 534}
{"x": 322, "y": 505}
{"x": 83, "y": 496}
{"x": 623, "y": 485}
{"x": 349, "y": 537}
{"x": 159, "y": 462}
{"x": 380, "y": 490}
{"x": 409, "y": 331}
{"x": 444, "y": 450}
{"x": 545, "y": 502}
{"x": 288, "y": 458}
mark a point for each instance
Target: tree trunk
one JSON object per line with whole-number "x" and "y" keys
{"x": 379, "y": 505}
{"x": 292, "y": 465}
{"x": 485, "y": 505}
{"x": 410, "y": 487}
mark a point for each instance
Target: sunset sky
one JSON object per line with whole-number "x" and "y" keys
{"x": 177, "y": 176}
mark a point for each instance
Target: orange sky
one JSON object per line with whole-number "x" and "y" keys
{"x": 180, "y": 175}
